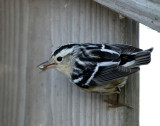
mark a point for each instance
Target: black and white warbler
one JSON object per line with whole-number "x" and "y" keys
{"x": 101, "y": 68}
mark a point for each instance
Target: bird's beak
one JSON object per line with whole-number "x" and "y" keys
{"x": 45, "y": 65}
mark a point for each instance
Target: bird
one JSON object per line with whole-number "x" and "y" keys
{"x": 98, "y": 68}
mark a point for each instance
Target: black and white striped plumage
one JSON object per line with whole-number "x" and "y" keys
{"x": 98, "y": 67}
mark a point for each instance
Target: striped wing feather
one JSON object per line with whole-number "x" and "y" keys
{"x": 107, "y": 74}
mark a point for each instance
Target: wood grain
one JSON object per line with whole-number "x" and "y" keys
{"x": 143, "y": 11}
{"x": 30, "y": 31}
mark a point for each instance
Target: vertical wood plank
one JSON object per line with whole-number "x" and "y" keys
{"x": 30, "y": 31}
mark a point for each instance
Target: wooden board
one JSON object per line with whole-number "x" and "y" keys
{"x": 30, "y": 30}
{"x": 146, "y": 12}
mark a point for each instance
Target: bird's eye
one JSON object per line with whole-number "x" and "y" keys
{"x": 59, "y": 59}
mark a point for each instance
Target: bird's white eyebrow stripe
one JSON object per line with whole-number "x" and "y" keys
{"x": 108, "y": 50}
{"x": 65, "y": 52}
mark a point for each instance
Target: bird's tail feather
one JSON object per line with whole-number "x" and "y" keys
{"x": 143, "y": 57}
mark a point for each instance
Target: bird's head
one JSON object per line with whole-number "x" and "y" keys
{"x": 60, "y": 60}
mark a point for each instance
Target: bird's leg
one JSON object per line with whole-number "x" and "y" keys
{"x": 115, "y": 103}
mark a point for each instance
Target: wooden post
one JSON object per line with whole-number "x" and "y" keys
{"x": 30, "y": 30}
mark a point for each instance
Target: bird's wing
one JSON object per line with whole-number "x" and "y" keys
{"x": 126, "y": 49}
{"x": 107, "y": 74}
{"x": 83, "y": 75}
{"x": 90, "y": 59}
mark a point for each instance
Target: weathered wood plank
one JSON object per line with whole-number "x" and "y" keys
{"x": 30, "y": 30}
{"x": 146, "y": 12}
